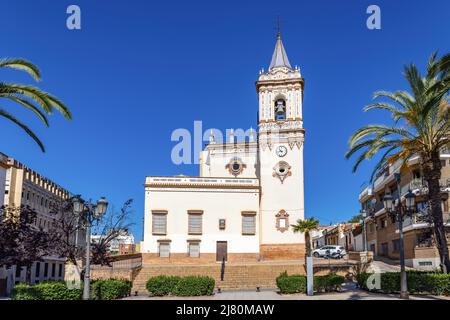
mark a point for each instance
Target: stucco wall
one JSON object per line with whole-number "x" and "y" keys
{"x": 216, "y": 204}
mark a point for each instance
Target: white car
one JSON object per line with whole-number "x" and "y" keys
{"x": 330, "y": 251}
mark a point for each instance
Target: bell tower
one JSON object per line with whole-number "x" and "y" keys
{"x": 280, "y": 144}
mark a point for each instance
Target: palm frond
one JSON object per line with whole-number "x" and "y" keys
{"x": 23, "y": 65}
{"x": 29, "y": 106}
{"x": 24, "y": 127}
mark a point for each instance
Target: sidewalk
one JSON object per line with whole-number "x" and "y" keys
{"x": 349, "y": 292}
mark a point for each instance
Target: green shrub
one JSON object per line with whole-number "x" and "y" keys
{"x": 291, "y": 284}
{"x": 24, "y": 292}
{"x": 194, "y": 286}
{"x": 361, "y": 279}
{"x": 162, "y": 285}
{"x": 298, "y": 283}
{"x": 110, "y": 289}
{"x": 328, "y": 283}
{"x": 419, "y": 282}
{"x": 181, "y": 286}
{"x": 50, "y": 290}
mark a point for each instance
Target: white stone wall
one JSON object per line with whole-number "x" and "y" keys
{"x": 226, "y": 203}
{"x": 277, "y": 195}
{"x": 216, "y": 157}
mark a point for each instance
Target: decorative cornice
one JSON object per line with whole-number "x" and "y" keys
{"x": 262, "y": 84}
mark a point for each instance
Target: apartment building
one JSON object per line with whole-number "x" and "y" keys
{"x": 123, "y": 244}
{"x": 382, "y": 231}
{"x": 341, "y": 234}
{"x": 24, "y": 186}
{"x": 3, "y": 169}
{"x": 318, "y": 236}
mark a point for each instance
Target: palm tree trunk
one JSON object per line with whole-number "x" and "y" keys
{"x": 432, "y": 173}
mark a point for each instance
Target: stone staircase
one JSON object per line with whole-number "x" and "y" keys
{"x": 236, "y": 276}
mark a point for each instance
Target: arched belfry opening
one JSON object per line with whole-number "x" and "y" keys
{"x": 280, "y": 109}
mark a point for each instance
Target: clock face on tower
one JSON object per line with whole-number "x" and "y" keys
{"x": 281, "y": 151}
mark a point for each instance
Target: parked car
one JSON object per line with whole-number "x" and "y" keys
{"x": 329, "y": 251}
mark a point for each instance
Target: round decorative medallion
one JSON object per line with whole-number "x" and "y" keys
{"x": 235, "y": 166}
{"x": 282, "y": 170}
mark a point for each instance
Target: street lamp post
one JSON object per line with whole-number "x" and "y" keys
{"x": 88, "y": 212}
{"x": 364, "y": 216}
{"x": 399, "y": 211}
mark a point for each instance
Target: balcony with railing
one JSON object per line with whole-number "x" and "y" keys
{"x": 419, "y": 185}
{"x": 417, "y": 218}
{"x": 387, "y": 175}
{"x": 365, "y": 193}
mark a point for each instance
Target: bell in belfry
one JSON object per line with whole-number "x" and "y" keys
{"x": 280, "y": 106}
{"x": 280, "y": 109}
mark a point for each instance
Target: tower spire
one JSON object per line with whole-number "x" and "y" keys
{"x": 279, "y": 56}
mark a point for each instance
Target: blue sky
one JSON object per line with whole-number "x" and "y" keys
{"x": 137, "y": 70}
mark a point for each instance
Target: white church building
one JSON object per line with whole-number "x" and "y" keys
{"x": 241, "y": 206}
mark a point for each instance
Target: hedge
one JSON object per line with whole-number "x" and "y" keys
{"x": 298, "y": 284}
{"x": 194, "y": 286}
{"x": 328, "y": 283}
{"x": 419, "y": 282}
{"x": 180, "y": 286}
{"x": 57, "y": 290}
{"x": 291, "y": 284}
{"x": 50, "y": 290}
{"x": 110, "y": 289}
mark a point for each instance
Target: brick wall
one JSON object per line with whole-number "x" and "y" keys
{"x": 110, "y": 273}
{"x": 282, "y": 251}
{"x": 205, "y": 258}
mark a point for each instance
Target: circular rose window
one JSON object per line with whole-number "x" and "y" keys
{"x": 235, "y": 166}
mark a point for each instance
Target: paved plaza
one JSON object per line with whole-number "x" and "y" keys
{"x": 349, "y": 292}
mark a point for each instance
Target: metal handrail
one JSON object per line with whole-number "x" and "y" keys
{"x": 222, "y": 269}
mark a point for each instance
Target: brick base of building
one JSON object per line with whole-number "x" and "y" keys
{"x": 282, "y": 251}
{"x": 205, "y": 258}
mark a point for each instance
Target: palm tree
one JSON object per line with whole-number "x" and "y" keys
{"x": 421, "y": 127}
{"x": 30, "y": 97}
{"x": 306, "y": 226}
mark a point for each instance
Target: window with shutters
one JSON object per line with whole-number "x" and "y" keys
{"x": 195, "y": 222}
{"x": 194, "y": 249}
{"x": 164, "y": 249}
{"x": 159, "y": 223}
{"x": 248, "y": 223}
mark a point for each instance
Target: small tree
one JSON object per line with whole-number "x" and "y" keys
{"x": 71, "y": 227}
{"x": 111, "y": 227}
{"x": 355, "y": 219}
{"x": 22, "y": 241}
{"x": 306, "y": 226}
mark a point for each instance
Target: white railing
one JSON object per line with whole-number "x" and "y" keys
{"x": 199, "y": 180}
{"x": 366, "y": 192}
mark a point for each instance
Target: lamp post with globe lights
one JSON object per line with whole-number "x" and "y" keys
{"x": 399, "y": 211}
{"x": 88, "y": 212}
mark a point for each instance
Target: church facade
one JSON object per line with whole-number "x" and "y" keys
{"x": 241, "y": 206}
